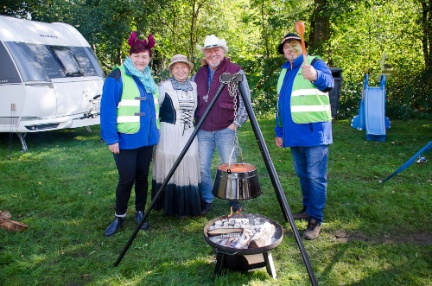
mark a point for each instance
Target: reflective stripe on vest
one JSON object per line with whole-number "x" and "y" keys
{"x": 308, "y": 104}
{"x": 127, "y": 121}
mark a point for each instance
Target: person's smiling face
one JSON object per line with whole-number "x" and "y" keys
{"x": 214, "y": 56}
{"x": 140, "y": 60}
{"x": 292, "y": 50}
{"x": 180, "y": 71}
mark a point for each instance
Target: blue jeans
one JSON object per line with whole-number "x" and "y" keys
{"x": 310, "y": 165}
{"x": 208, "y": 141}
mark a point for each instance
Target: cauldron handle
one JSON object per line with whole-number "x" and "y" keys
{"x": 231, "y": 155}
{"x": 236, "y": 146}
{"x": 239, "y": 150}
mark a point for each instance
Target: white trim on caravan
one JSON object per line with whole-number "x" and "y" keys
{"x": 50, "y": 79}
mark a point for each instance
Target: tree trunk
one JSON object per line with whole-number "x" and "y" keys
{"x": 196, "y": 8}
{"x": 320, "y": 28}
{"x": 427, "y": 33}
{"x": 264, "y": 31}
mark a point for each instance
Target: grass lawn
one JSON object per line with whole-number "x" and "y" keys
{"x": 63, "y": 189}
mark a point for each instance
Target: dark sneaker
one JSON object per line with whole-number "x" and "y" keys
{"x": 114, "y": 226}
{"x": 138, "y": 218}
{"x": 301, "y": 215}
{"x": 207, "y": 208}
{"x": 313, "y": 230}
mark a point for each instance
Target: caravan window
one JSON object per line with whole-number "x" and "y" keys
{"x": 35, "y": 62}
{"x": 88, "y": 61}
{"x": 66, "y": 60}
{"x": 8, "y": 71}
{"x": 38, "y": 62}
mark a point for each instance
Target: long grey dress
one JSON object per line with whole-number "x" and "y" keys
{"x": 181, "y": 196}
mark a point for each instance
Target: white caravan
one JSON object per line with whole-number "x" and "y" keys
{"x": 50, "y": 79}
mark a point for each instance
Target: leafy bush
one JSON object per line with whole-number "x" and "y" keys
{"x": 409, "y": 95}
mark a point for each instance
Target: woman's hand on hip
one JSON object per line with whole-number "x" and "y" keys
{"x": 114, "y": 148}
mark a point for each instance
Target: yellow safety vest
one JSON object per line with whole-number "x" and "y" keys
{"x": 308, "y": 104}
{"x": 128, "y": 109}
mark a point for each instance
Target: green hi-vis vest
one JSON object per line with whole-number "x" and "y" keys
{"x": 128, "y": 109}
{"x": 308, "y": 104}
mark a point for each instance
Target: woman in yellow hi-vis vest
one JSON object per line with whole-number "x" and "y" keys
{"x": 129, "y": 126}
{"x": 303, "y": 123}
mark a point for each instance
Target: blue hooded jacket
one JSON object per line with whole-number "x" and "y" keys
{"x": 148, "y": 133}
{"x": 305, "y": 135}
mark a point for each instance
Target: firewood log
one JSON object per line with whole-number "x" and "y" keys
{"x": 11, "y": 225}
{"x": 5, "y": 215}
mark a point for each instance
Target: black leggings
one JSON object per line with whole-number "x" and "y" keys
{"x": 133, "y": 168}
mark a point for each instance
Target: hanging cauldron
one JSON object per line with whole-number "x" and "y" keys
{"x": 236, "y": 181}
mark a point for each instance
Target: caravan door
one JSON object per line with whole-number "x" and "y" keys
{"x": 11, "y": 92}
{"x": 76, "y": 90}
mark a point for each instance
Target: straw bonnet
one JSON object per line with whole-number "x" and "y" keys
{"x": 211, "y": 42}
{"x": 180, "y": 59}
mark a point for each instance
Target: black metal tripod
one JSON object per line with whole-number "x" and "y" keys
{"x": 267, "y": 160}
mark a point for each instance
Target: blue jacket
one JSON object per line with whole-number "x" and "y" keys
{"x": 306, "y": 135}
{"x": 148, "y": 133}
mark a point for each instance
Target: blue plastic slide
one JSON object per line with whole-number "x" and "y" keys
{"x": 371, "y": 116}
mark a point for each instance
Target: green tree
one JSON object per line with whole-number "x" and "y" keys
{"x": 358, "y": 36}
{"x": 20, "y": 9}
{"x": 426, "y": 31}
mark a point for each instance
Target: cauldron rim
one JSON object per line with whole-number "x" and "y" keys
{"x": 231, "y": 166}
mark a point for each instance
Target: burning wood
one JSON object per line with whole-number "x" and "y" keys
{"x": 237, "y": 212}
{"x": 224, "y": 231}
{"x": 241, "y": 233}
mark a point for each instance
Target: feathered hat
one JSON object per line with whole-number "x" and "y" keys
{"x": 137, "y": 45}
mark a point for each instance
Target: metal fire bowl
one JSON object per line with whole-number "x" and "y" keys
{"x": 276, "y": 240}
{"x": 236, "y": 181}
